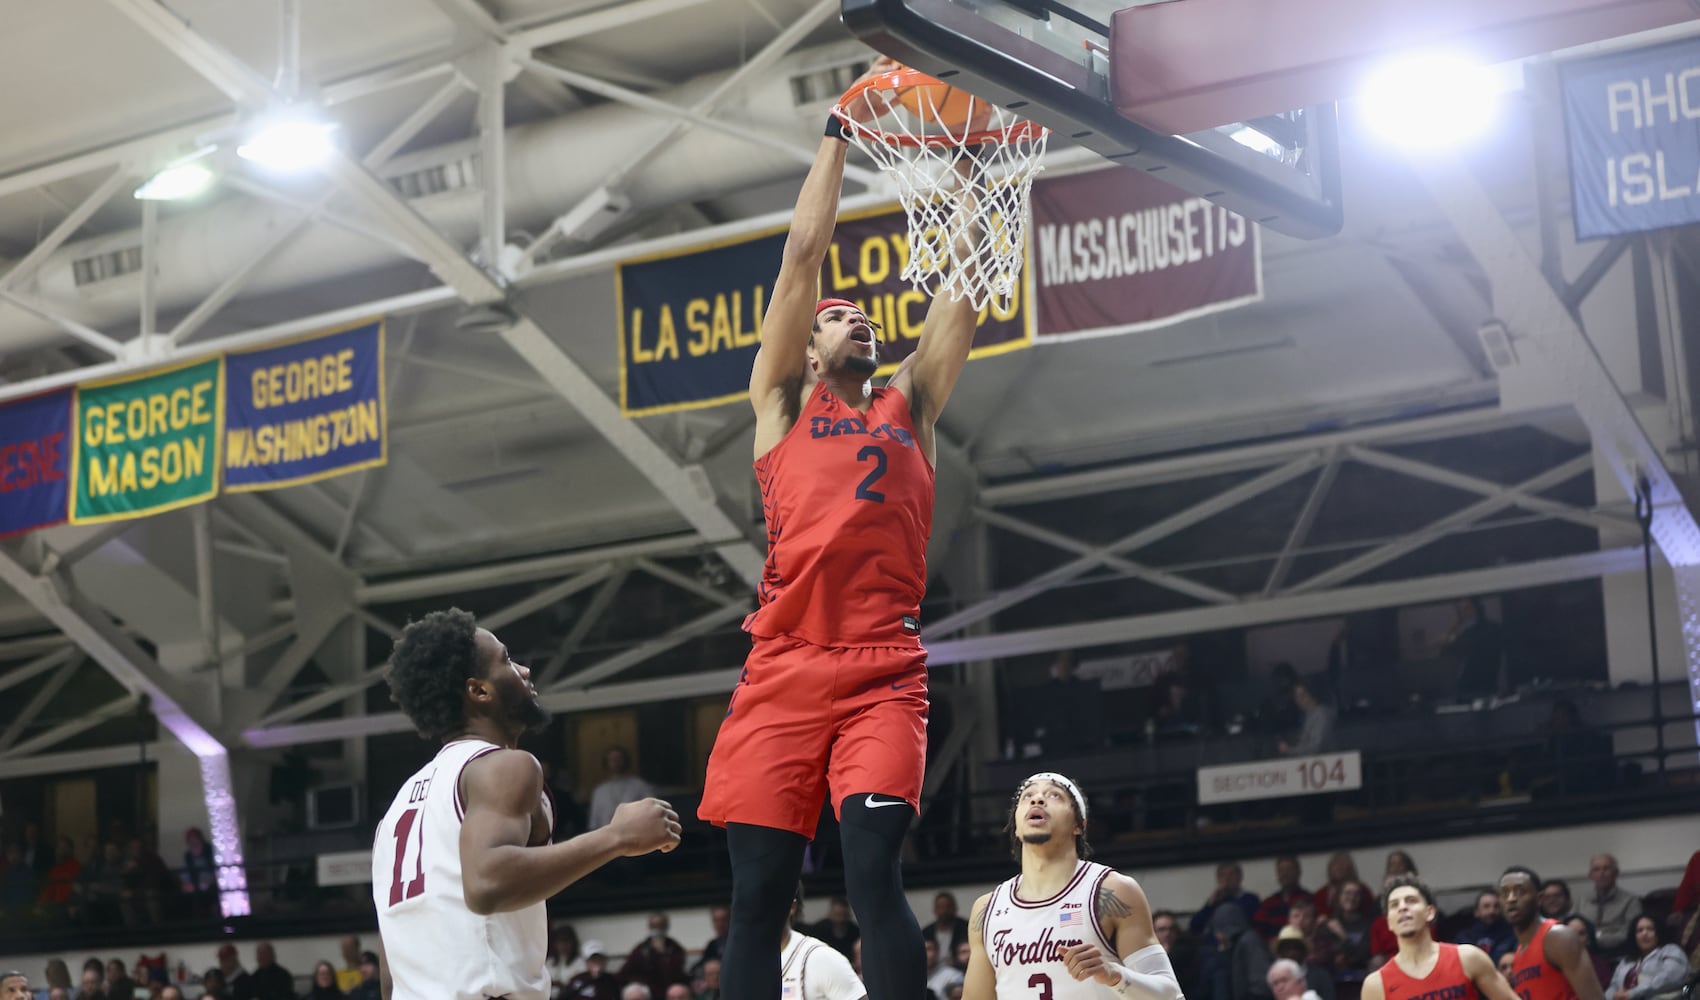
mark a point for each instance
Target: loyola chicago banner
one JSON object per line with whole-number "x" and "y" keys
{"x": 305, "y": 411}
{"x": 690, "y": 322}
{"x": 147, "y": 444}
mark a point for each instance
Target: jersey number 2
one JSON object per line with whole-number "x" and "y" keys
{"x": 400, "y": 890}
{"x": 1043, "y": 982}
{"x": 865, "y": 490}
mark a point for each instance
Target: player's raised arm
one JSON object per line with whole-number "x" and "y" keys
{"x": 979, "y": 981}
{"x": 1481, "y": 970}
{"x": 501, "y": 873}
{"x": 1566, "y": 953}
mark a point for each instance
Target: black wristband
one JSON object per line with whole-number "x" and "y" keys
{"x": 835, "y": 128}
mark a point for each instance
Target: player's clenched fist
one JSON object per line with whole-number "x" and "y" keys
{"x": 1085, "y": 961}
{"x": 644, "y": 826}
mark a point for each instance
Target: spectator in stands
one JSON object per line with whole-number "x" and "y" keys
{"x": 595, "y": 982}
{"x": 1687, "y": 899}
{"x": 964, "y": 952}
{"x": 679, "y": 991}
{"x": 60, "y": 885}
{"x": 1554, "y": 900}
{"x": 1181, "y": 949}
{"x": 1290, "y": 946}
{"x": 720, "y": 919}
{"x": 1655, "y": 967}
{"x": 1246, "y": 957}
{"x": 1584, "y": 929}
{"x": 1350, "y": 922}
{"x": 348, "y": 976}
{"x": 1398, "y": 863}
{"x": 838, "y": 930}
{"x": 230, "y": 967}
{"x": 93, "y": 985}
{"x": 371, "y": 984}
{"x": 941, "y": 974}
{"x": 1278, "y": 717}
{"x": 17, "y": 883}
{"x": 213, "y": 986}
{"x": 324, "y": 983}
{"x": 199, "y": 877}
{"x": 1229, "y": 879}
{"x": 170, "y": 991}
{"x": 1320, "y": 942}
{"x": 618, "y": 788}
{"x": 14, "y": 986}
{"x": 1316, "y": 724}
{"x": 569, "y": 811}
{"x": 657, "y": 961}
{"x": 269, "y": 980}
{"x": 1341, "y": 870}
{"x": 947, "y": 929}
{"x": 1286, "y": 981}
{"x": 119, "y": 985}
{"x": 564, "y": 962}
{"x": 1478, "y": 645}
{"x": 1068, "y": 711}
{"x": 1271, "y": 914}
{"x": 635, "y": 991}
{"x": 139, "y": 895}
{"x": 1612, "y": 909}
{"x": 1579, "y": 758}
{"x": 61, "y": 993}
{"x": 710, "y": 983}
{"x": 1490, "y": 932}
{"x": 37, "y": 855}
{"x": 1507, "y": 964}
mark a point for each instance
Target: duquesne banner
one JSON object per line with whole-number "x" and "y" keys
{"x": 690, "y": 322}
{"x": 35, "y": 462}
{"x": 1118, "y": 251}
{"x": 146, "y": 444}
{"x": 305, "y": 411}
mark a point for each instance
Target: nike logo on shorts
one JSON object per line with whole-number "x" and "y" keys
{"x": 898, "y": 687}
{"x": 872, "y": 803}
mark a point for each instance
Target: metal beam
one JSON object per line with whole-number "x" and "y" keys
{"x": 683, "y": 582}
{"x": 1441, "y": 527}
{"x": 1161, "y": 578}
{"x": 587, "y": 620}
{"x": 83, "y": 332}
{"x": 1176, "y": 522}
{"x": 81, "y": 761}
{"x": 40, "y": 665}
{"x": 205, "y": 589}
{"x": 66, "y": 228}
{"x": 1303, "y": 523}
{"x": 122, "y": 705}
{"x": 37, "y": 702}
{"x": 1486, "y": 487}
{"x": 554, "y": 594}
{"x": 324, "y": 699}
{"x": 701, "y": 624}
{"x": 580, "y": 25}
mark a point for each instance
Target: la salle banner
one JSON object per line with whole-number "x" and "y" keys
{"x": 147, "y": 444}
{"x": 305, "y": 411}
{"x": 1118, "y": 251}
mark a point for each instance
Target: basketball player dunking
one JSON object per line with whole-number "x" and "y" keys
{"x": 1551, "y": 962}
{"x": 1424, "y": 969}
{"x": 462, "y": 862}
{"x": 833, "y": 695}
{"x": 1056, "y": 930}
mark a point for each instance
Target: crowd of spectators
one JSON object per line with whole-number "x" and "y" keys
{"x": 118, "y": 880}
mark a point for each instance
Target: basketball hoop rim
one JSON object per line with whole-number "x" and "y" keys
{"x": 1022, "y": 131}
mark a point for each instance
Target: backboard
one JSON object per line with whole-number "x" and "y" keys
{"x": 1049, "y": 60}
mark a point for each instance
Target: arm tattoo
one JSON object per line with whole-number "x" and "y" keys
{"x": 1110, "y": 905}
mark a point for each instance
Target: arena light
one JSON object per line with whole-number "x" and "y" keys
{"x": 181, "y": 179}
{"x": 289, "y": 144}
{"x": 1430, "y": 99}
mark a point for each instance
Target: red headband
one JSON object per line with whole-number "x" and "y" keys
{"x": 824, "y": 304}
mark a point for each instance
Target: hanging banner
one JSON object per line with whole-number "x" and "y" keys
{"x": 690, "y": 322}
{"x": 305, "y": 411}
{"x": 148, "y": 444}
{"x": 35, "y": 459}
{"x": 1634, "y": 144}
{"x": 1116, "y": 251}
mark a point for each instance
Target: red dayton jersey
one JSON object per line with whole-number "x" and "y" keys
{"x": 1535, "y": 978}
{"x": 1446, "y": 981}
{"x": 848, "y": 499}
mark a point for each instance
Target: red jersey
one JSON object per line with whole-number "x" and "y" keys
{"x": 848, "y": 499}
{"x": 1535, "y": 978}
{"x": 1446, "y": 981}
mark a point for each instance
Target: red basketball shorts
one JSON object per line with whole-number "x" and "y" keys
{"x": 806, "y": 719}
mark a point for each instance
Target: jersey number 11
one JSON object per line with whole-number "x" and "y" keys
{"x": 409, "y": 822}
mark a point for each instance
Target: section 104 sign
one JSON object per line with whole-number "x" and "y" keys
{"x": 1280, "y": 778}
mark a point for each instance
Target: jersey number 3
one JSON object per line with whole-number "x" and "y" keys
{"x": 1043, "y": 982}
{"x": 865, "y": 489}
{"x": 408, "y": 823}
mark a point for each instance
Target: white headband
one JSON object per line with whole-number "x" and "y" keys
{"x": 1054, "y": 777}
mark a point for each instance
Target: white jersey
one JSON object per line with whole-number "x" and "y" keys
{"x": 811, "y": 969}
{"x": 437, "y": 948}
{"x": 1025, "y": 939}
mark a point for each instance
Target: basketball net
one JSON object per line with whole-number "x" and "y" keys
{"x": 964, "y": 172}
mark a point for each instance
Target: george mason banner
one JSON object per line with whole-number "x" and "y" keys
{"x": 305, "y": 411}
{"x": 35, "y": 454}
{"x": 146, "y": 444}
{"x": 690, "y": 322}
{"x": 1115, "y": 251}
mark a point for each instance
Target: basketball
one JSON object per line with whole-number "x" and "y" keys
{"x": 946, "y": 106}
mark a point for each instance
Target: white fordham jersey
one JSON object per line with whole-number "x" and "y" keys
{"x": 437, "y": 948}
{"x": 1025, "y": 939}
{"x": 811, "y": 969}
